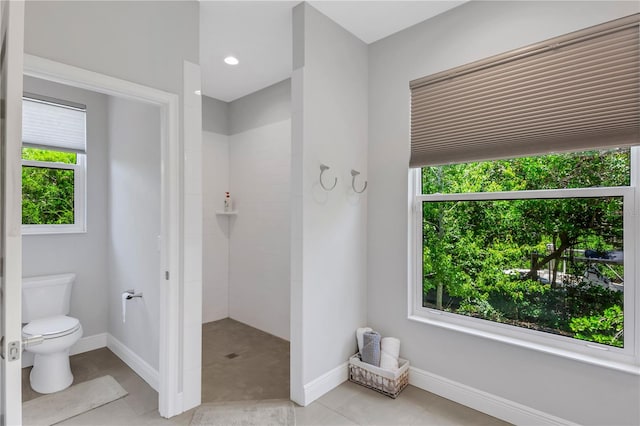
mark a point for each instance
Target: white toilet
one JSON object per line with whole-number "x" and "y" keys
{"x": 45, "y": 304}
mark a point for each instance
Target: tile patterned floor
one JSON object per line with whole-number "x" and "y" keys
{"x": 348, "y": 404}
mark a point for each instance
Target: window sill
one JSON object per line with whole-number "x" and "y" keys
{"x": 624, "y": 367}
{"x": 52, "y": 230}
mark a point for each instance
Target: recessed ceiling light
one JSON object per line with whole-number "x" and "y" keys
{"x": 231, "y": 60}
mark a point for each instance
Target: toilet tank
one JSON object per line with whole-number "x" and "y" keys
{"x": 46, "y": 296}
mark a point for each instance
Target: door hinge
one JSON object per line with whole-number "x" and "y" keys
{"x": 166, "y": 275}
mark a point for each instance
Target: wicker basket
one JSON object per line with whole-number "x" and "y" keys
{"x": 386, "y": 382}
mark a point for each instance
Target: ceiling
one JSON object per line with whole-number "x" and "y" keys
{"x": 258, "y": 33}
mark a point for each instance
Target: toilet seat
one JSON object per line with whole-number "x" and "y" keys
{"x": 51, "y": 327}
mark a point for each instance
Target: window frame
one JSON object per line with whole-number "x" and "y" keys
{"x": 625, "y": 359}
{"x": 79, "y": 180}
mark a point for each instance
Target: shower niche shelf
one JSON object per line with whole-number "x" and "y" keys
{"x": 223, "y": 213}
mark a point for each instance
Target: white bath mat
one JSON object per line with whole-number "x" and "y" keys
{"x": 245, "y": 413}
{"x": 77, "y": 399}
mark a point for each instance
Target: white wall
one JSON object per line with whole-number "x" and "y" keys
{"x": 568, "y": 389}
{"x": 259, "y": 255}
{"x": 215, "y": 238}
{"x": 328, "y": 271}
{"x": 134, "y": 225}
{"x": 85, "y": 254}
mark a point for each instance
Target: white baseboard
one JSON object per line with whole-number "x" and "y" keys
{"x": 97, "y": 341}
{"x": 85, "y": 344}
{"x": 323, "y": 384}
{"x": 487, "y": 403}
{"x": 137, "y": 364}
{"x": 215, "y": 315}
{"x": 89, "y": 343}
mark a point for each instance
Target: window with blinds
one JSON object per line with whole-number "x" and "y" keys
{"x": 526, "y": 196}
{"x": 53, "y": 166}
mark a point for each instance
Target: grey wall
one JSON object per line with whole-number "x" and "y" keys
{"x": 269, "y": 105}
{"x": 328, "y": 241}
{"x": 140, "y": 41}
{"x": 215, "y": 116}
{"x": 215, "y": 228}
{"x": 134, "y": 225}
{"x": 263, "y": 107}
{"x": 246, "y": 264}
{"x": 572, "y": 390}
{"x": 259, "y": 237}
{"x": 83, "y": 253}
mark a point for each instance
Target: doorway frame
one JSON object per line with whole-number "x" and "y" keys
{"x": 170, "y": 276}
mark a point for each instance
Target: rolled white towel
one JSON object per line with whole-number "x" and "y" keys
{"x": 359, "y": 333}
{"x": 389, "y": 353}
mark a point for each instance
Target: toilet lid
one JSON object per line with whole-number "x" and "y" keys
{"x": 51, "y": 326}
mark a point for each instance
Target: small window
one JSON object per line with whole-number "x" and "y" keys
{"x": 53, "y": 166}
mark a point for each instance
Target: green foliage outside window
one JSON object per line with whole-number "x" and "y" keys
{"x": 543, "y": 264}
{"x": 47, "y": 193}
{"x": 49, "y": 155}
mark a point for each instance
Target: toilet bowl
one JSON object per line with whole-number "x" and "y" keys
{"x": 51, "y": 371}
{"x": 45, "y": 305}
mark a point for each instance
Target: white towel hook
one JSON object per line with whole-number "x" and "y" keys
{"x": 354, "y": 174}
{"x": 323, "y": 168}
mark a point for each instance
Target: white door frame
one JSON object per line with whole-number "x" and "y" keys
{"x": 170, "y": 276}
{"x": 12, "y": 15}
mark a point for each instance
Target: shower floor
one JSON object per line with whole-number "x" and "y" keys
{"x": 240, "y": 362}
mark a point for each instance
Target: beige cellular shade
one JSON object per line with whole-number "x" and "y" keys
{"x": 575, "y": 92}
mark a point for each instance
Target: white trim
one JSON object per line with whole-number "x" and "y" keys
{"x": 137, "y": 364}
{"x": 170, "y": 396}
{"x": 57, "y": 72}
{"x": 89, "y": 343}
{"x": 171, "y": 368}
{"x": 191, "y": 214}
{"x": 50, "y": 164}
{"x": 325, "y": 383}
{"x": 485, "y": 402}
{"x": 52, "y": 229}
{"x": 180, "y": 399}
{"x": 530, "y": 194}
{"x": 79, "y": 225}
{"x": 86, "y": 344}
{"x": 11, "y": 39}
